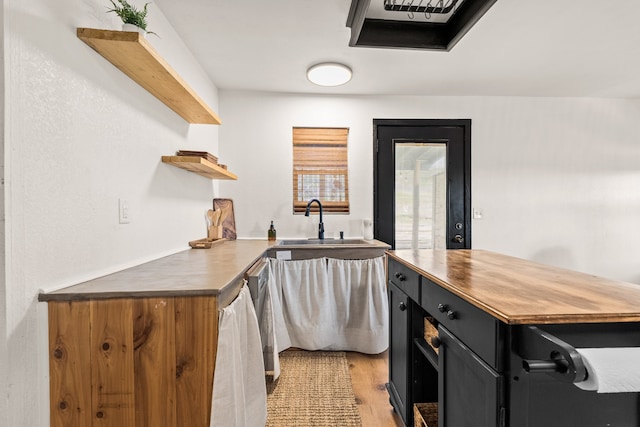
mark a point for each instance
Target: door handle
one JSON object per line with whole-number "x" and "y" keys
{"x": 458, "y": 238}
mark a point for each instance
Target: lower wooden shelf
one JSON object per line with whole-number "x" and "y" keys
{"x": 425, "y": 415}
{"x": 200, "y": 166}
{"x": 427, "y": 351}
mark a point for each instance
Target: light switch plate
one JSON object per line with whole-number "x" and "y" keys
{"x": 123, "y": 211}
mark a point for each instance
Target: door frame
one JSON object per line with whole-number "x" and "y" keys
{"x": 465, "y": 125}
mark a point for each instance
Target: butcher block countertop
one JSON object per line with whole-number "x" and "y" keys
{"x": 189, "y": 273}
{"x": 517, "y": 291}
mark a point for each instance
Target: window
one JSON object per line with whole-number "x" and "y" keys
{"x": 320, "y": 169}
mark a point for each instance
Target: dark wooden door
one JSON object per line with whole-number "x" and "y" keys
{"x": 392, "y": 138}
{"x": 399, "y": 350}
{"x": 470, "y": 391}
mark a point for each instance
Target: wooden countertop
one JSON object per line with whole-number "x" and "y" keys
{"x": 517, "y": 291}
{"x": 191, "y": 272}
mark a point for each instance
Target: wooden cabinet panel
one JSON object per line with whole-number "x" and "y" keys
{"x": 404, "y": 278}
{"x": 112, "y": 374}
{"x": 132, "y": 362}
{"x": 470, "y": 392}
{"x": 399, "y": 351}
{"x": 69, "y": 364}
{"x": 478, "y": 330}
{"x": 154, "y": 362}
{"x": 196, "y": 344}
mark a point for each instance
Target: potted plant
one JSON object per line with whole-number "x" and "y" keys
{"x": 133, "y": 19}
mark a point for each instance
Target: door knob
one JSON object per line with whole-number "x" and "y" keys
{"x": 402, "y": 306}
{"x": 458, "y": 238}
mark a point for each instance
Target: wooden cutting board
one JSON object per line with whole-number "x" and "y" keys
{"x": 228, "y": 220}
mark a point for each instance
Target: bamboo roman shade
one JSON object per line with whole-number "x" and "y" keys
{"x": 320, "y": 169}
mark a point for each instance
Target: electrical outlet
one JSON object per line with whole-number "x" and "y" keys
{"x": 123, "y": 211}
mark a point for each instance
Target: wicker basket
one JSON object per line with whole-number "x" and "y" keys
{"x": 430, "y": 331}
{"x": 425, "y": 415}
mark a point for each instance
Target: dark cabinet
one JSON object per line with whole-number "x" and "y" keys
{"x": 412, "y": 378}
{"x": 475, "y": 328}
{"x": 462, "y": 375}
{"x": 493, "y": 341}
{"x": 470, "y": 390}
{"x": 398, "y": 385}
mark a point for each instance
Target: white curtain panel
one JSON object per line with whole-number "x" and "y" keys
{"x": 330, "y": 304}
{"x": 276, "y": 270}
{"x": 362, "y": 308}
{"x": 302, "y": 303}
{"x": 239, "y": 391}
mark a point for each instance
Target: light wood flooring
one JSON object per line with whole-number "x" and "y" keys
{"x": 369, "y": 374}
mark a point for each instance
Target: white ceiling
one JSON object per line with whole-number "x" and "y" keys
{"x": 519, "y": 47}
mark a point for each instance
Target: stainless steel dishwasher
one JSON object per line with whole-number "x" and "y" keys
{"x": 258, "y": 281}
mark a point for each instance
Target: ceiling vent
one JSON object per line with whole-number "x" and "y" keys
{"x": 413, "y": 24}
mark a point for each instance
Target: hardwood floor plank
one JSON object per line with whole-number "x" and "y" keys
{"x": 369, "y": 373}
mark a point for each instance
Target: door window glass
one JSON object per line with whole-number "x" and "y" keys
{"x": 420, "y": 195}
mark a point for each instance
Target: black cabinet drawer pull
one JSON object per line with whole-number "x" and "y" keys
{"x": 401, "y": 277}
{"x": 445, "y": 308}
{"x": 402, "y": 306}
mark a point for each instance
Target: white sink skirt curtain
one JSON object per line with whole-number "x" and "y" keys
{"x": 330, "y": 304}
{"x": 239, "y": 392}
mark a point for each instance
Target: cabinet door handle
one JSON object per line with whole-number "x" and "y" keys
{"x": 435, "y": 342}
{"x": 451, "y": 314}
{"x": 402, "y": 306}
{"x": 401, "y": 277}
{"x": 442, "y": 308}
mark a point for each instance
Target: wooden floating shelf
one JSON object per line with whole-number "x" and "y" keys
{"x": 132, "y": 54}
{"x": 198, "y": 165}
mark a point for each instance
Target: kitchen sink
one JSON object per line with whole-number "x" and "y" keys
{"x": 298, "y": 249}
{"x": 298, "y": 242}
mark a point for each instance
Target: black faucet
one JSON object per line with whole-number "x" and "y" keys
{"x": 321, "y": 225}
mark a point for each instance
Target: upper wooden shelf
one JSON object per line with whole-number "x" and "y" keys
{"x": 198, "y": 165}
{"x": 133, "y": 55}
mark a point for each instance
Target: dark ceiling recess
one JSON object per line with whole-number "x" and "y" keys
{"x": 413, "y": 24}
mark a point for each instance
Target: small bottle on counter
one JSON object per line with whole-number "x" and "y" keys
{"x": 271, "y": 233}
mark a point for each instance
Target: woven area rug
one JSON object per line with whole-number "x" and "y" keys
{"x": 314, "y": 389}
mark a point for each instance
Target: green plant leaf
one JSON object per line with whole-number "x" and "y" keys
{"x": 130, "y": 14}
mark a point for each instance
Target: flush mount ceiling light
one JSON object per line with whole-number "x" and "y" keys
{"x": 329, "y": 74}
{"x": 413, "y": 24}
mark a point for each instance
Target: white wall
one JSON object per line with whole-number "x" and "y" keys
{"x": 79, "y": 134}
{"x": 558, "y": 180}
